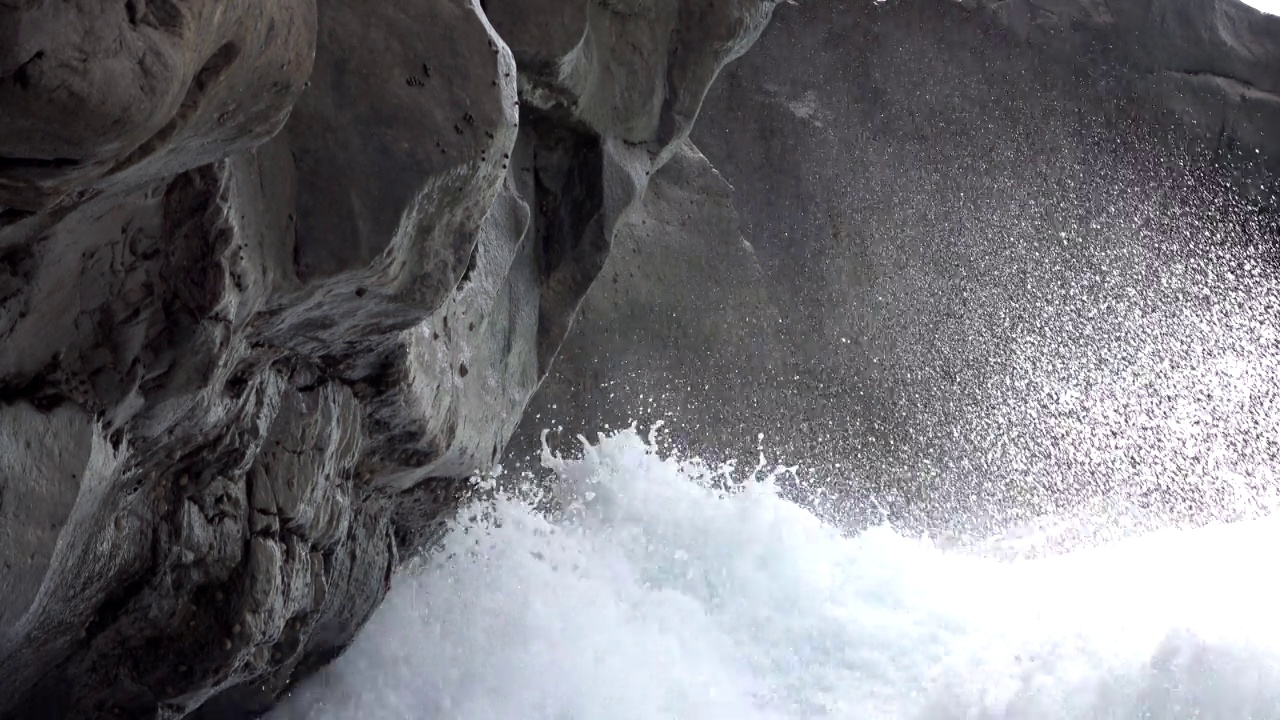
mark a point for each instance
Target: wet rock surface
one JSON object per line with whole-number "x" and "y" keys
{"x": 924, "y": 185}
{"x": 275, "y": 278}
{"x": 680, "y": 325}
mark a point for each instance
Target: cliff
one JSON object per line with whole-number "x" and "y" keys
{"x": 939, "y": 198}
{"x": 275, "y": 277}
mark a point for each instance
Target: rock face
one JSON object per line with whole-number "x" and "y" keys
{"x": 1207, "y": 69}
{"x": 679, "y": 319}
{"x": 909, "y": 196}
{"x": 275, "y": 277}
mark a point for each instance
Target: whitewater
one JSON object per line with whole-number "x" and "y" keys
{"x": 1127, "y": 408}
{"x": 1115, "y": 392}
{"x": 662, "y": 588}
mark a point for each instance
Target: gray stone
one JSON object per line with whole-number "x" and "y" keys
{"x": 275, "y": 279}
{"x": 1209, "y": 68}
{"x": 905, "y": 174}
{"x": 680, "y": 325}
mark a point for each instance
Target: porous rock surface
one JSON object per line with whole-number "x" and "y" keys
{"x": 274, "y": 277}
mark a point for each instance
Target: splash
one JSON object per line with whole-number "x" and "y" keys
{"x": 663, "y": 588}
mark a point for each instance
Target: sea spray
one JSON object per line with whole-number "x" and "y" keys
{"x": 658, "y": 590}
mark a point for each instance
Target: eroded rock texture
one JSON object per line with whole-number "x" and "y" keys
{"x": 274, "y": 276}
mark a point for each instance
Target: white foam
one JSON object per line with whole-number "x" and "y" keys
{"x": 657, "y": 596}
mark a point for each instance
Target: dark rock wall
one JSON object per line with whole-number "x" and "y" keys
{"x": 274, "y": 278}
{"x": 680, "y": 325}
{"x": 934, "y": 194}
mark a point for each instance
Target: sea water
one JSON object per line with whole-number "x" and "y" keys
{"x": 655, "y": 589}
